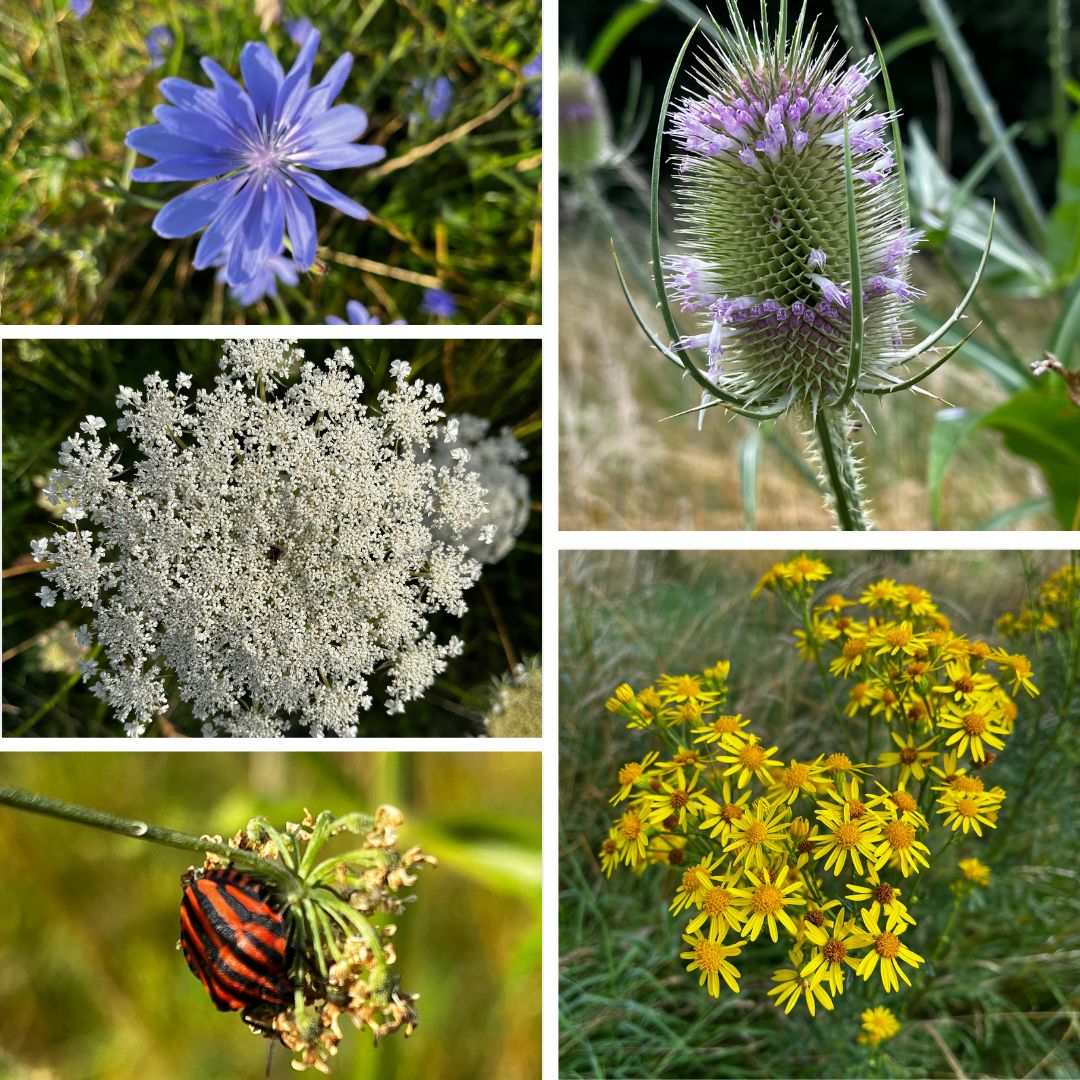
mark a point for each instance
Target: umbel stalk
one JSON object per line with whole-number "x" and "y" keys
{"x": 141, "y": 830}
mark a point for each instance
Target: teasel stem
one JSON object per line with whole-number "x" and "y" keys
{"x": 280, "y": 878}
{"x": 838, "y": 461}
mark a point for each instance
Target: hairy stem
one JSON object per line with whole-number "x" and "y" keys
{"x": 841, "y": 471}
{"x": 140, "y": 830}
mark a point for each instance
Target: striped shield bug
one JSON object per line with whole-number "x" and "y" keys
{"x": 234, "y": 941}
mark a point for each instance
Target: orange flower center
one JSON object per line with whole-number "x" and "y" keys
{"x": 834, "y": 951}
{"x": 847, "y": 834}
{"x": 679, "y": 799}
{"x": 974, "y": 724}
{"x": 796, "y": 776}
{"x": 899, "y": 834}
{"x": 717, "y": 901}
{"x": 967, "y": 808}
{"x": 898, "y": 636}
{"x": 630, "y": 827}
{"x": 854, "y": 647}
{"x": 752, "y": 756}
{"x": 909, "y": 755}
{"x": 838, "y": 762}
{"x": 856, "y": 809}
{"x": 629, "y": 773}
{"x": 816, "y": 917}
{"x": 883, "y": 893}
{"x": 731, "y": 811}
{"x": 767, "y": 899}
{"x": 725, "y": 725}
{"x": 965, "y": 684}
{"x": 757, "y": 832}
{"x": 709, "y": 955}
{"x": 903, "y": 801}
{"x": 608, "y": 846}
{"x": 962, "y": 782}
{"x": 887, "y": 945}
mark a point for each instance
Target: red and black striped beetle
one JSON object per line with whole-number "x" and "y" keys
{"x": 234, "y": 941}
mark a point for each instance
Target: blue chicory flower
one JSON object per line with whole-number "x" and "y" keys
{"x": 436, "y": 96}
{"x": 359, "y": 316}
{"x": 257, "y": 147}
{"x": 534, "y": 69}
{"x": 438, "y": 302}
{"x": 158, "y": 41}
{"x": 299, "y": 30}
{"x": 80, "y": 8}
{"x": 265, "y": 282}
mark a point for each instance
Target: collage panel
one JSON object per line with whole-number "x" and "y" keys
{"x": 184, "y": 162}
{"x": 815, "y": 813}
{"x": 380, "y": 916}
{"x": 266, "y": 538}
{"x": 845, "y": 289}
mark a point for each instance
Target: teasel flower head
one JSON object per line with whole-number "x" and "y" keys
{"x": 585, "y": 141}
{"x": 795, "y": 244}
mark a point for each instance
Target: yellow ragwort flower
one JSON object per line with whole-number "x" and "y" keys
{"x": 969, "y": 810}
{"x": 885, "y": 947}
{"x": 898, "y": 842}
{"x": 909, "y": 757}
{"x": 974, "y": 726}
{"x": 975, "y": 871}
{"x": 880, "y": 898}
{"x": 632, "y": 774}
{"x": 749, "y": 761}
{"x": 757, "y": 834}
{"x": 729, "y": 731}
{"x": 709, "y": 955}
{"x": 878, "y": 1024}
{"x": 845, "y": 837}
{"x": 727, "y": 812}
{"x": 798, "y": 778}
{"x": 767, "y": 897}
{"x": 791, "y": 987}
{"x": 831, "y": 955}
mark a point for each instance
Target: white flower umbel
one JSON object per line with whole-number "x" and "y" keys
{"x": 506, "y": 490}
{"x": 269, "y": 548}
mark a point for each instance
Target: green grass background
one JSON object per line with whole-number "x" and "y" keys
{"x": 75, "y": 239}
{"x": 93, "y": 988}
{"x": 1002, "y": 999}
{"x": 48, "y": 387}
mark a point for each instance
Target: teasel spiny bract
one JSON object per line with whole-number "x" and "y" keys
{"x": 796, "y": 240}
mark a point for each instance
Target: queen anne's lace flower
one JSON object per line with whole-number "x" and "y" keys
{"x": 272, "y": 548}
{"x": 506, "y": 490}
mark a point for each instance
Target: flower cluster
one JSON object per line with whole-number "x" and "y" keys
{"x": 826, "y": 851}
{"x": 269, "y": 549}
{"x": 765, "y": 265}
{"x": 340, "y": 960}
{"x": 1055, "y": 607}
{"x": 506, "y": 491}
{"x": 261, "y": 147}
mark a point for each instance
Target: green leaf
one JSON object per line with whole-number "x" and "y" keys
{"x": 1043, "y": 426}
{"x": 951, "y": 428}
{"x": 615, "y": 29}
{"x": 1063, "y": 245}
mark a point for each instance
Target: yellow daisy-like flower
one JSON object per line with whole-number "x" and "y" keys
{"x": 681, "y": 688}
{"x": 696, "y": 881}
{"x": 878, "y": 1024}
{"x": 632, "y": 837}
{"x": 709, "y": 956}
{"x": 851, "y": 656}
{"x": 893, "y": 638}
{"x": 757, "y": 833}
{"x": 917, "y": 601}
{"x": 898, "y": 841}
{"x": 881, "y": 593}
{"x": 809, "y": 642}
{"x": 846, "y": 793}
{"x": 609, "y": 853}
{"x": 751, "y": 760}
{"x": 975, "y": 871}
{"x": 838, "y": 764}
{"x": 955, "y": 779}
{"x": 766, "y": 898}
{"x": 832, "y": 953}
{"x": 769, "y": 580}
{"x": 858, "y": 698}
{"x": 898, "y": 804}
{"x": 963, "y": 682}
{"x": 974, "y": 727}
{"x": 682, "y": 761}
{"x": 798, "y": 778}
{"x": 674, "y": 801}
{"x": 728, "y": 811}
{"x": 721, "y": 907}
{"x": 884, "y": 701}
{"x": 880, "y": 898}
{"x": 833, "y": 604}
{"x": 718, "y": 673}
{"x": 968, "y": 810}
{"x": 729, "y": 731}
{"x": 1019, "y": 668}
{"x": 804, "y": 570}
{"x": 885, "y": 947}
{"x": 909, "y": 757}
{"x": 846, "y": 838}
{"x": 632, "y": 774}
{"x": 791, "y": 987}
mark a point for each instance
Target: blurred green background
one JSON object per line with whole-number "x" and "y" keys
{"x": 1002, "y": 999}
{"x": 460, "y": 210}
{"x": 49, "y": 386}
{"x": 93, "y": 988}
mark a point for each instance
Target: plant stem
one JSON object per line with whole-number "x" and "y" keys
{"x": 840, "y": 473}
{"x": 140, "y": 830}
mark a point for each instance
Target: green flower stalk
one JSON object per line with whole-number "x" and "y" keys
{"x": 795, "y": 241}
